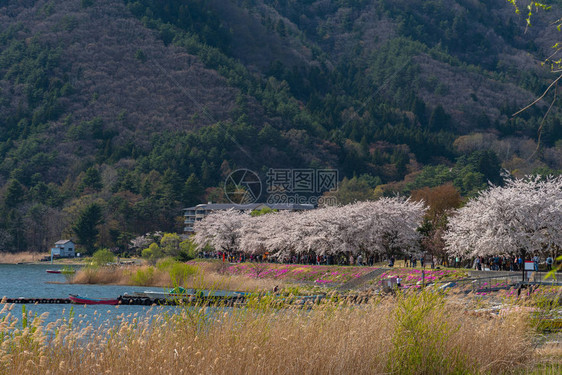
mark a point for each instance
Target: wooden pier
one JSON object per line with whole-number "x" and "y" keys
{"x": 227, "y": 301}
{"x": 33, "y": 301}
{"x": 136, "y": 300}
{"x": 187, "y": 300}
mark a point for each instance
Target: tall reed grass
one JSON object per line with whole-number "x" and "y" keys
{"x": 168, "y": 273}
{"x": 23, "y": 257}
{"x": 418, "y": 333}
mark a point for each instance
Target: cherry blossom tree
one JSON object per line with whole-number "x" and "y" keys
{"x": 142, "y": 242}
{"x": 257, "y": 239}
{"x": 395, "y": 225}
{"x": 220, "y": 229}
{"x": 522, "y": 217}
{"x": 383, "y": 227}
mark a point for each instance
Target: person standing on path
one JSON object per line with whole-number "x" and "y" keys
{"x": 549, "y": 262}
{"x": 536, "y": 260}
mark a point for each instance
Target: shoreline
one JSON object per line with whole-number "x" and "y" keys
{"x": 55, "y": 263}
{"x": 22, "y": 258}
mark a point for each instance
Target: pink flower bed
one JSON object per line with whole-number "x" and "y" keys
{"x": 299, "y": 272}
{"x": 411, "y": 276}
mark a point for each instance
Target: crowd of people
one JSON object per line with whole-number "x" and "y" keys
{"x": 510, "y": 263}
{"x": 479, "y": 263}
{"x": 310, "y": 259}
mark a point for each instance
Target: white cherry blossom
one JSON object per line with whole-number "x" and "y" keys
{"x": 524, "y": 216}
{"x": 383, "y": 227}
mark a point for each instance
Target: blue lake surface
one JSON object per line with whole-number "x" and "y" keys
{"x": 33, "y": 281}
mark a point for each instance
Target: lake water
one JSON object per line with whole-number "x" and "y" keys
{"x": 32, "y": 280}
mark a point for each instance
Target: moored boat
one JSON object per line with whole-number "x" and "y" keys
{"x": 65, "y": 272}
{"x": 92, "y": 301}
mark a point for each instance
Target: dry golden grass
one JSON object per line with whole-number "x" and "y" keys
{"x": 405, "y": 335}
{"x": 204, "y": 276}
{"x": 121, "y": 275}
{"x": 231, "y": 282}
{"x": 550, "y": 353}
{"x": 24, "y": 257}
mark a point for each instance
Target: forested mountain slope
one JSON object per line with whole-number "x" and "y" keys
{"x": 143, "y": 107}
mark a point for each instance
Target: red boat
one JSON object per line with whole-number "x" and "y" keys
{"x": 54, "y": 271}
{"x": 92, "y": 301}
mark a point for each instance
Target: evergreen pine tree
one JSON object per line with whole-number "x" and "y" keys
{"x": 86, "y": 228}
{"x": 192, "y": 191}
{"x": 14, "y": 193}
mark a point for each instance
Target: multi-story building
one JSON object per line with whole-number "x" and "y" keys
{"x": 64, "y": 249}
{"x": 197, "y": 213}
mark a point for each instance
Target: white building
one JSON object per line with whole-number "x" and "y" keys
{"x": 197, "y": 213}
{"x": 64, "y": 249}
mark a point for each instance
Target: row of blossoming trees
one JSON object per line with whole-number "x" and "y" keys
{"x": 523, "y": 216}
{"x": 385, "y": 226}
